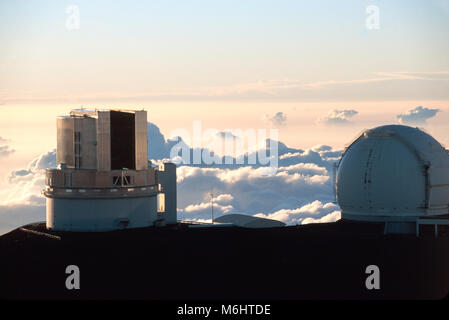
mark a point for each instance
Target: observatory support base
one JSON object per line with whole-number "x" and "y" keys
{"x": 399, "y": 227}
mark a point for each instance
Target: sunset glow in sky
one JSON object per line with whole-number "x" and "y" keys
{"x": 318, "y": 71}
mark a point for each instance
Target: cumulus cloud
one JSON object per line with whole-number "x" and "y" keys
{"x": 221, "y": 206}
{"x": 5, "y": 149}
{"x": 338, "y": 117}
{"x": 25, "y": 185}
{"x": 230, "y": 149}
{"x": 331, "y": 217}
{"x": 314, "y": 212}
{"x": 417, "y": 116}
{"x": 303, "y": 177}
{"x": 252, "y": 191}
{"x": 278, "y": 119}
{"x": 299, "y": 192}
{"x": 21, "y": 201}
{"x": 160, "y": 149}
{"x": 220, "y": 203}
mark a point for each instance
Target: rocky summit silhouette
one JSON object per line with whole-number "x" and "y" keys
{"x": 322, "y": 261}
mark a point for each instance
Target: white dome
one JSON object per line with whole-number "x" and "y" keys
{"x": 393, "y": 171}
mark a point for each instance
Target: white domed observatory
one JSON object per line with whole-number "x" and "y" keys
{"x": 394, "y": 174}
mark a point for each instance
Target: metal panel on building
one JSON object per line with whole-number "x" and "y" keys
{"x": 65, "y": 143}
{"x": 141, "y": 135}
{"x": 85, "y": 143}
{"x": 104, "y": 141}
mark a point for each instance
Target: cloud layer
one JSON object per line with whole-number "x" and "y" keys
{"x": 25, "y": 185}
{"x": 21, "y": 201}
{"x": 417, "y": 116}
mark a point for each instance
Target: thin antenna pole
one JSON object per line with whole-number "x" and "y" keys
{"x": 212, "y": 201}
{"x": 334, "y": 181}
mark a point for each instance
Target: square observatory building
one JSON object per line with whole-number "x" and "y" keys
{"x": 103, "y": 179}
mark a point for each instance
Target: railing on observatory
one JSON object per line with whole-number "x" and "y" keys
{"x": 88, "y": 183}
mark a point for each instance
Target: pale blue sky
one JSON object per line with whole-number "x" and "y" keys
{"x": 182, "y": 48}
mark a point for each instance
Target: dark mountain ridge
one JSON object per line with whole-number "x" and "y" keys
{"x": 322, "y": 261}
